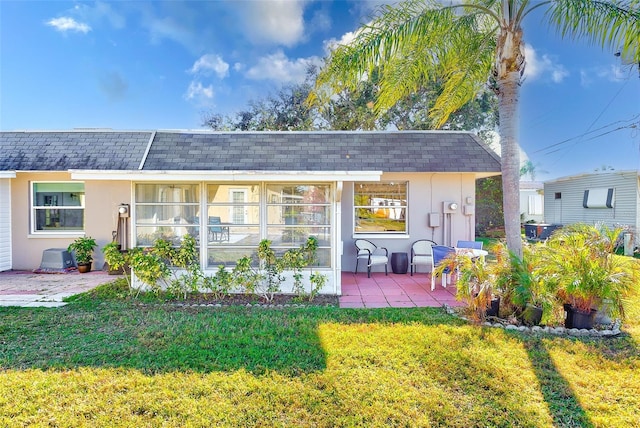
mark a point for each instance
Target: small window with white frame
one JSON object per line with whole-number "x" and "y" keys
{"x": 380, "y": 207}
{"x": 57, "y": 207}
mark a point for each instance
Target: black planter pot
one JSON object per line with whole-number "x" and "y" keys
{"x": 494, "y": 309}
{"x": 568, "y": 315}
{"x": 583, "y": 319}
{"x": 532, "y": 315}
{"x": 399, "y": 263}
{"x": 578, "y": 319}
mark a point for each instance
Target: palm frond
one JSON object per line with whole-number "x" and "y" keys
{"x": 609, "y": 24}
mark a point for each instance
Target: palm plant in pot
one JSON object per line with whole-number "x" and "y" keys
{"x": 521, "y": 285}
{"x": 82, "y": 249}
{"x": 580, "y": 261}
{"x": 474, "y": 285}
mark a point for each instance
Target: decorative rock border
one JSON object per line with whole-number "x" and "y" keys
{"x": 613, "y": 331}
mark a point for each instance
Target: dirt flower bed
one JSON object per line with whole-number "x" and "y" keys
{"x": 253, "y": 300}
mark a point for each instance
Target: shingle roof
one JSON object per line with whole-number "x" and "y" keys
{"x": 402, "y": 151}
{"x": 322, "y": 151}
{"x": 64, "y": 150}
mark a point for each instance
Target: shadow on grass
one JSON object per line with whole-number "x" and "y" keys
{"x": 558, "y": 394}
{"x": 157, "y": 338}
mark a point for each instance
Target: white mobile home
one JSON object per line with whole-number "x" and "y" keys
{"x": 611, "y": 198}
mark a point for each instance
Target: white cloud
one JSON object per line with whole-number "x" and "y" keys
{"x": 585, "y": 78}
{"x": 331, "y": 44}
{"x": 321, "y": 21}
{"x": 612, "y": 73}
{"x": 209, "y": 63}
{"x": 546, "y": 66}
{"x": 98, "y": 11}
{"x": 197, "y": 91}
{"x": 281, "y": 69}
{"x": 167, "y": 28}
{"x": 65, "y": 23}
{"x": 276, "y": 21}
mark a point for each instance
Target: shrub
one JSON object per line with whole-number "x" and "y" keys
{"x": 579, "y": 260}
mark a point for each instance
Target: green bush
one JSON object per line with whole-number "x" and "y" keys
{"x": 177, "y": 270}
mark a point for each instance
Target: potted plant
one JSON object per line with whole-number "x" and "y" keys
{"x": 82, "y": 249}
{"x": 116, "y": 259}
{"x": 474, "y": 285}
{"x": 580, "y": 261}
{"x": 521, "y": 284}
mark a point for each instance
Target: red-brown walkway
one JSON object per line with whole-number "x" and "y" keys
{"x": 394, "y": 291}
{"x": 20, "y": 288}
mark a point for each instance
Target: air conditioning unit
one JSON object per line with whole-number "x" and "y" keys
{"x": 449, "y": 207}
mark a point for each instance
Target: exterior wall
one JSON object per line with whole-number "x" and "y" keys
{"x": 427, "y": 193}
{"x": 5, "y": 224}
{"x": 524, "y": 206}
{"x": 101, "y": 202}
{"x": 568, "y": 209}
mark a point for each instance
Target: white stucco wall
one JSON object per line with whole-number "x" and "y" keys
{"x": 427, "y": 193}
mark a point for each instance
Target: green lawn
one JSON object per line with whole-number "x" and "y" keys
{"x": 116, "y": 362}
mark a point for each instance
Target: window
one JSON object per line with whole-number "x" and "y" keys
{"x": 228, "y": 220}
{"x": 297, "y": 211}
{"x": 557, "y": 195}
{"x": 380, "y": 207}
{"x": 233, "y": 222}
{"x": 599, "y": 198}
{"x": 57, "y": 207}
{"x": 166, "y": 211}
{"x": 536, "y": 205}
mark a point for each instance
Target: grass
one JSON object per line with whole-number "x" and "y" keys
{"x": 107, "y": 360}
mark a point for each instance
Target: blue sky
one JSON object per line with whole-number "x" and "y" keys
{"x": 160, "y": 65}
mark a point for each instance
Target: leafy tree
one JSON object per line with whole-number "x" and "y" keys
{"x": 530, "y": 169}
{"x": 467, "y": 46}
{"x": 286, "y": 110}
{"x": 488, "y": 205}
{"x": 352, "y": 109}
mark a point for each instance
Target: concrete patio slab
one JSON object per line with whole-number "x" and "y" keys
{"x": 29, "y": 289}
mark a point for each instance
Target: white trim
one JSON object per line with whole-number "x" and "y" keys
{"x": 381, "y": 235}
{"x": 33, "y": 232}
{"x": 147, "y": 150}
{"x": 286, "y": 176}
{"x": 6, "y": 250}
{"x": 55, "y": 235}
{"x": 7, "y": 174}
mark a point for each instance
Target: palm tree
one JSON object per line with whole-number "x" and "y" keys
{"x": 465, "y": 46}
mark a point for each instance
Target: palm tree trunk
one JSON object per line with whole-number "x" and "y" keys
{"x": 508, "y": 95}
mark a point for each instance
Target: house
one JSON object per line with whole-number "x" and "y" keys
{"x": 230, "y": 190}
{"x": 531, "y": 201}
{"x": 611, "y": 198}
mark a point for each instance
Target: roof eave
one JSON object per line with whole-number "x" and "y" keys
{"x": 136, "y": 175}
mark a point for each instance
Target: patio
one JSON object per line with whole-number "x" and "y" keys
{"x": 28, "y": 289}
{"x": 394, "y": 291}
